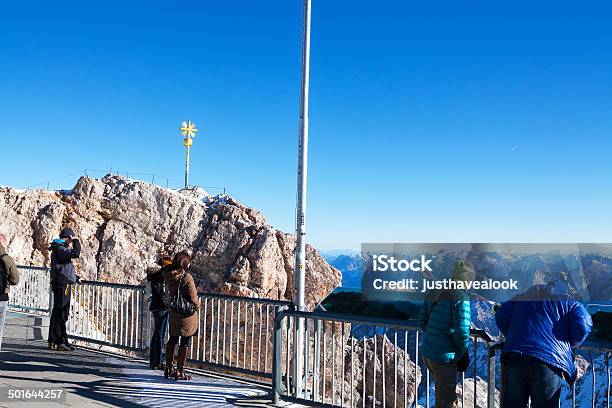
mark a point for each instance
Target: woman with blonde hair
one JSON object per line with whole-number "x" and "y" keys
{"x": 183, "y": 322}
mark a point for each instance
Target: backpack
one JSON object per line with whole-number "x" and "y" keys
{"x": 167, "y": 298}
{"x": 3, "y": 274}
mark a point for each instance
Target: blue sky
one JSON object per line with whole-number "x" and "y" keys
{"x": 430, "y": 121}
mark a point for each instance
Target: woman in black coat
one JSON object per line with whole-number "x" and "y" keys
{"x": 159, "y": 311}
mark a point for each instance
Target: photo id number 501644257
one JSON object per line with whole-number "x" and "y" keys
{"x": 15, "y": 394}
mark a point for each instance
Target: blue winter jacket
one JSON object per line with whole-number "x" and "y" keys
{"x": 445, "y": 319}
{"x": 545, "y": 329}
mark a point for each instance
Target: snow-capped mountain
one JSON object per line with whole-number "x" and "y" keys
{"x": 351, "y": 268}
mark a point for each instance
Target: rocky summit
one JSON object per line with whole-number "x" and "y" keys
{"x": 125, "y": 224}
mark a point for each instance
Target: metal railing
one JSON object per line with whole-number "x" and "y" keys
{"x": 236, "y": 334}
{"x": 355, "y": 361}
{"x": 358, "y": 361}
{"x": 109, "y": 314}
{"x": 598, "y": 359}
{"x": 152, "y": 178}
{"x": 33, "y": 293}
{"x": 348, "y": 361}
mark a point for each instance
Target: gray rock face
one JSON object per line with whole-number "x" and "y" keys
{"x": 481, "y": 393}
{"x": 383, "y": 364}
{"x": 124, "y": 225}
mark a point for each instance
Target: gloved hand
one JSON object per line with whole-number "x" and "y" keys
{"x": 464, "y": 362}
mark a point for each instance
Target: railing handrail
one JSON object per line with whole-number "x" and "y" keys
{"x": 111, "y": 284}
{"x": 583, "y": 347}
{"x": 246, "y": 299}
{"x": 36, "y": 268}
{"x": 372, "y": 321}
{"x": 341, "y": 317}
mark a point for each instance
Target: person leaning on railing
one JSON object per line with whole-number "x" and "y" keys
{"x": 183, "y": 326}
{"x": 540, "y": 326}
{"x": 445, "y": 319}
{"x": 9, "y": 275}
{"x": 63, "y": 274}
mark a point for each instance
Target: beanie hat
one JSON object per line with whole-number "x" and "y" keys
{"x": 66, "y": 233}
{"x": 464, "y": 271}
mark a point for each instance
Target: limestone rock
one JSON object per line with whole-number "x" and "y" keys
{"x": 481, "y": 393}
{"x": 124, "y": 225}
{"x": 382, "y": 357}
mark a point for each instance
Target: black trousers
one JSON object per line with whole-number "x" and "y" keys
{"x": 159, "y": 334}
{"x": 59, "y": 314}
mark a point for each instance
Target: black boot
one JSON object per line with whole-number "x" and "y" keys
{"x": 169, "y": 369}
{"x": 180, "y": 364}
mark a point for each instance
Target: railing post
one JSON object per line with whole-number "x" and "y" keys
{"x": 143, "y": 314}
{"x": 277, "y": 355}
{"x": 50, "y": 297}
{"x": 491, "y": 375}
{"x": 592, "y": 362}
{"x": 607, "y": 355}
{"x": 316, "y": 359}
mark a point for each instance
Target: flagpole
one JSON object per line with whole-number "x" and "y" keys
{"x": 186, "y": 167}
{"x": 300, "y": 250}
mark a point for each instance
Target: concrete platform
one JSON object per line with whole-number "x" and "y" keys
{"x": 96, "y": 379}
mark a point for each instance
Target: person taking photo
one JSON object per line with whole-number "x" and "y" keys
{"x": 63, "y": 275}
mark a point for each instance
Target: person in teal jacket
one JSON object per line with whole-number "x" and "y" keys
{"x": 445, "y": 319}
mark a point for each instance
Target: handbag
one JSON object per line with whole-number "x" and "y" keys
{"x": 181, "y": 304}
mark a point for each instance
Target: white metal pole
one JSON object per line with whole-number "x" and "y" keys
{"x": 300, "y": 250}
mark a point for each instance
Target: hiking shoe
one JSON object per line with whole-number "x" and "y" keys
{"x": 52, "y": 346}
{"x": 62, "y": 347}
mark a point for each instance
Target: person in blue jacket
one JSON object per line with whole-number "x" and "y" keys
{"x": 445, "y": 319}
{"x": 541, "y": 326}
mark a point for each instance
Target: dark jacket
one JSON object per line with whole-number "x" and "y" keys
{"x": 179, "y": 324}
{"x": 545, "y": 329}
{"x": 156, "y": 277}
{"x": 445, "y": 319}
{"x": 62, "y": 270}
{"x": 11, "y": 270}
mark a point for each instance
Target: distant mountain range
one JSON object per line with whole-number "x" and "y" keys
{"x": 586, "y": 273}
{"x": 332, "y": 254}
{"x": 349, "y": 263}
